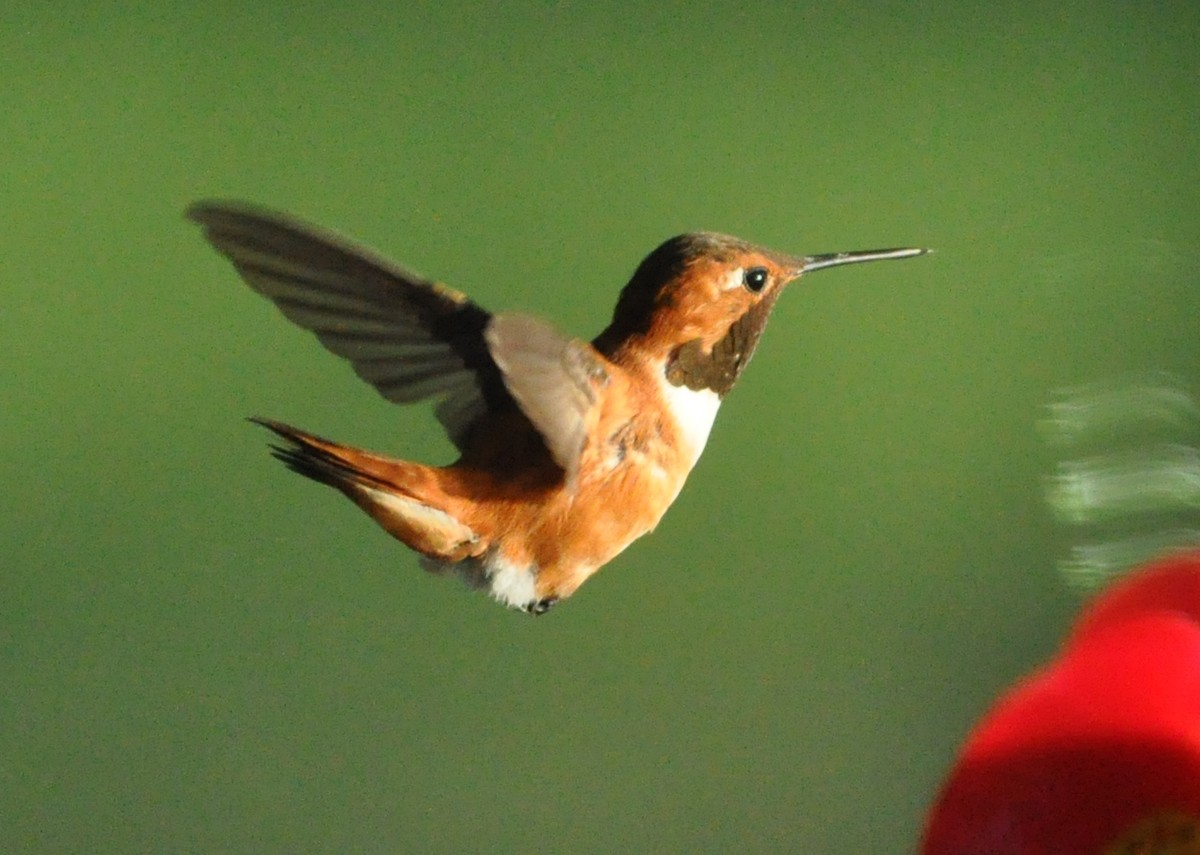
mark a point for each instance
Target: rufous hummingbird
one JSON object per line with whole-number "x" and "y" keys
{"x": 569, "y": 451}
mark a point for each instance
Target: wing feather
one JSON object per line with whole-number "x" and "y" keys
{"x": 412, "y": 338}
{"x": 409, "y": 337}
{"x": 555, "y": 380}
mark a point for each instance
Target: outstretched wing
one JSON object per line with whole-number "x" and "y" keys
{"x": 408, "y": 337}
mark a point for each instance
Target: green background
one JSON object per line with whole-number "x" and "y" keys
{"x": 202, "y": 652}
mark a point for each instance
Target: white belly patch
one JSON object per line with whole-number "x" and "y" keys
{"x": 511, "y": 585}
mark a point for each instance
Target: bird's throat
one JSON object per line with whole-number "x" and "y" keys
{"x": 696, "y": 367}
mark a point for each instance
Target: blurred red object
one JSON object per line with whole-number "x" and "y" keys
{"x": 1099, "y": 751}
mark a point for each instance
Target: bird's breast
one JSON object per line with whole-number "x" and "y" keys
{"x": 644, "y": 437}
{"x": 648, "y": 436}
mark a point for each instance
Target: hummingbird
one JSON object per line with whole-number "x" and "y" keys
{"x": 568, "y": 450}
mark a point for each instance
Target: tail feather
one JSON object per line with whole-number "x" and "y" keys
{"x": 404, "y": 498}
{"x": 317, "y": 458}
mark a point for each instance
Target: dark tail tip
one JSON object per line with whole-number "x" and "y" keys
{"x": 305, "y": 457}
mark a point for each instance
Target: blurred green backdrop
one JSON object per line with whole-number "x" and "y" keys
{"x": 201, "y": 652}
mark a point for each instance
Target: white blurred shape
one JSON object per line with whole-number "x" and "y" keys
{"x": 1091, "y": 565}
{"x": 1127, "y": 484}
{"x": 1152, "y": 480}
{"x": 1154, "y": 401}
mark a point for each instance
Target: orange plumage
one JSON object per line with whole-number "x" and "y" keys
{"x": 570, "y": 451}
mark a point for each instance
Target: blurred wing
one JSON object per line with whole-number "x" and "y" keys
{"x": 554, "y": 379}
{"x": 408, "y": 337}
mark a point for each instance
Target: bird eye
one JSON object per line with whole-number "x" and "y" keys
{"x": 755, "y": 279}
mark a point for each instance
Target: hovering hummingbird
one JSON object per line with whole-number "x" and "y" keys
{"x": 569, "y": 451}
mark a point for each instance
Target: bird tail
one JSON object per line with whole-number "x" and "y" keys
{"x": 404, "y": 498}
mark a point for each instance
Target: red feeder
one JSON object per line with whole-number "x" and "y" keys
{"x": 1099, "y": 752}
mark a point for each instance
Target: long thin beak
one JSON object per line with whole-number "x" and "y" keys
{"x": 834, "y": 259}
